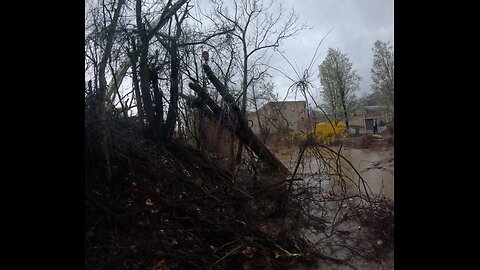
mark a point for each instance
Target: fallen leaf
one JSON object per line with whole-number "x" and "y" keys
{"x": 174, "y": 242}
{"x": 148, "y": 202}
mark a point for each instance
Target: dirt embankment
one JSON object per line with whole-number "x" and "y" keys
{"x": 372, "y": 141}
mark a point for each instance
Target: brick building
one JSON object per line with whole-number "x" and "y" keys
{"x": 279, "y": 116}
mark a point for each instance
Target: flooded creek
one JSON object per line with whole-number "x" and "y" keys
{"x": 375, "y": 167}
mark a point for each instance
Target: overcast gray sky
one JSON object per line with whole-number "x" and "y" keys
{"x": 356, "y": 25}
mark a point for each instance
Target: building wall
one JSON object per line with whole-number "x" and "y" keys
{"x": 277, "y": 116}
{"x": 362, "y": 121}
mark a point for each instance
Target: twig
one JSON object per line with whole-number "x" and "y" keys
{"x": 233, "y": 251}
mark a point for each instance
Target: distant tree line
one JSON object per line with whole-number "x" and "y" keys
{"x": 340, "y": 83}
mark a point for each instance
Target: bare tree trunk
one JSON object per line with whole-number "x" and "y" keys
{"x": 133, "y": 60}
{"x": 232, "y": 152}
{"x": 174, "y": 79}
{"x": 344, "y": 108}
{"x": 143, "y": 65}
{"x": 173, "y": 108}
{"x": 101, "y": 112}
{"x": 123, "y": 107}
{"x": 343, "y": 100}
{"x": 263, "y": 134}
{"x": 346, "y": 119}
{"x": 244, "y": 92}
{"x": 158, "y": 96}
{"x": 119, "y": 75}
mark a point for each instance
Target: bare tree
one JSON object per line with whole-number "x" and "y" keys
{"x": 179, "y": 41}
{"x": 102, "y": 88}
{"x": 133, "y": 56}
{"x": 167, "y": 11}
{"x": 258, "y": 27}
{"x": 143, "y": 64}
{"x": 172, "y": 48}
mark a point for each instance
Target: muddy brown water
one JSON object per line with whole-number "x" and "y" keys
{"x": 376, "y": 167}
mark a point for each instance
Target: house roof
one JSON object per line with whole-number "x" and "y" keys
{"x": 374, "y": 107}
{"x": 281, "y": 103}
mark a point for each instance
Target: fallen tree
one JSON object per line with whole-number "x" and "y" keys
{"x": 234, "y": 120}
